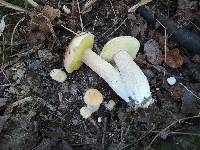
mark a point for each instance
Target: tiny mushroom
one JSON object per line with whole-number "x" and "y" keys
{"x": 93, "y": 98}
{"x": 110, "y": 105}
{"x": 85, "y": 112}
{"x": 58, "y": 75}
{"x": 79, "y": 51}
{"x": 123, "y": 50}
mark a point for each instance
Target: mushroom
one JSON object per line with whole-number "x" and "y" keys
{"x": 123, "y": 50}
{"x": 93, "y": 98}
{"x": 79, "y": 51}
{"x": 85, "y": 112}
{"x": 110, "y": 105}
{"x": 58, "y": 75}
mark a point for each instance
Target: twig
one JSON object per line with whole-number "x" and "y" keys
{"x": 11, "y": 41}
{"x": 190, "y": 91}
{"x": 11, "y": 6}
{"x": 165, "y": 46}
{"x": 178, "y": 133}
{"x": 88, "y": 5}
{"x": 141, "y": 3}
{"x": 118, "y": 26}
{"x": 172, "y": 124}
{"x": 142, "y": 137}
{"x": 3, "y": 49}
{"x": 79, "y": 11}
{"x": 112, "y": 8}
{"x": 14, "y": 43}
{"x": 126, "y": 133}
{"x": 69, "y": 30}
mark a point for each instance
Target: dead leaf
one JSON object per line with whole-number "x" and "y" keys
{"x": 51, "y": 13}
{"x": 44, "y": 22}
{"x": 40, "y": 24}
{"x": 137, "y": 24}
{"x": 174, "y": 59}
{"x": 152, "y": 52}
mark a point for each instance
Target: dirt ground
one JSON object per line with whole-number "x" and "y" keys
{"x": 38, "y": 113}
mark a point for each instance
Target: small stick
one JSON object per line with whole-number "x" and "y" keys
{"x": 172, "y": 124}
{"x": 112, "y": 8}
{"x": 11, "y": 41}
{"x": 11, "y": 6}
{"x": 190, "y": 91}
{"x": 118, "y": 26}
{"x": 69, "y": 30}
{"x": 79, "y": 11}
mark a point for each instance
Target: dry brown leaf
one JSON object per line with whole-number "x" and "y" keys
{"x": 173, "y": 58}
{"x": 50, "y": 12}
{"x": 44, "y": 21}
{"x": 40, "y": 24}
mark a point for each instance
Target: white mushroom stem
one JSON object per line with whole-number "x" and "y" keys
{"x": 107, "y": 72}
{"x": 135, "y": 80}
{"x": 93, "y": 108}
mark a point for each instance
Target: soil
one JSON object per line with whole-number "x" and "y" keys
{"x": 38, "y": 113}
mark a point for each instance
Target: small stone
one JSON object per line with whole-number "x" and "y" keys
{"x": 99, "y": 119}
{"x": 171, "y": 80}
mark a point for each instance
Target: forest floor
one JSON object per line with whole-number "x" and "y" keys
{"x": 38, "y": 113}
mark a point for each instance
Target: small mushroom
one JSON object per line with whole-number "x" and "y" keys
{"x": 110, "y": 105}
{"x": 93, "y": 98}
{"x": 58, "y": 75}
{"x": 79, "y": 51}
{"x": 85, "y": 112}
{"x": 123, "y": 50}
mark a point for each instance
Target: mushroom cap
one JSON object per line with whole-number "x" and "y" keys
{"x": 93, "y": 97}
{"x": 85, "y": 112}
{"x": 75, "y": 51}
{"x": 58, "y": 75}
{"x": 126, "y": 43}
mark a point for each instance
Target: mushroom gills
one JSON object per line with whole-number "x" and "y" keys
{"x": 135, "y": 80}
{"x": 105, "y": 70}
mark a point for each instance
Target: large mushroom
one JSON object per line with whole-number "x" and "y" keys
{"x": 79, "y": 52}
{"x": 123, "y": 50}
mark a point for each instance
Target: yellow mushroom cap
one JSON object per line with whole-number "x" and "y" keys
{"x": 75, "y": 51}
{"x": 125, "y": 43}
{"x": 93, "y": 97}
